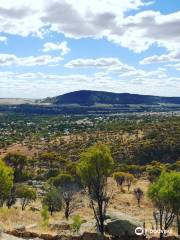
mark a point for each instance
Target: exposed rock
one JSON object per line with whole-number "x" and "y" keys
{"x": 65, "y": 237}
{"x": 30, "y": 235}
{"x": 46, "y": 237}
{"x": 31, "y": 226}
{"x": 119, "y": 224}
{"x": 35, "y": 183}
{"x": 24, "y": 234}
{"x": 89, "y": 226}
{"x": 60, "y": 226}
{"x": 9, "y": 237}
{"x": 20, "y": 228}
{"x": 93, "y": 236}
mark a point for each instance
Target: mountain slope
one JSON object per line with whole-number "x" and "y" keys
{"x": 88, "y": 98}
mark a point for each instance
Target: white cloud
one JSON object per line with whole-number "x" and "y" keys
{"x": 10, "y": 59}
{"x": 137, "y": 32}
{"x": 39, "y": 60}
{"x": 109, "y": 65}
{"x": 39, "y": 84}
{"x": 115, "y": 66}
{"x": 21, "y": 17}
{"x": 172, "y": 56}
{"x": 97, "y": 19}
{"x": 7, "y": 59}
{"x": 142, "y": 30}
{"x": 96, "y": 63}
{"x": 83, "y": 18}
{"x": 3, "y": 39}
{"x": 116, "y": 76}
{"x": 62, "y": 47}
{"x": 175, "y": 66}
{"x": 110, "y": 19}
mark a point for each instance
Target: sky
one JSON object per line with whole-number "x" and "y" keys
{"x": 48, "y": 48}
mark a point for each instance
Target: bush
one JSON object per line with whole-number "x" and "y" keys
{"x": 77, "y": 222}
{"x": 18, "y": 163}
{"x": 67, "y": 186}
{"x": 138, "y": 193}
{"x": 6, "y": 181}
{"x": 26, "y": 194}
{"x": 165, "y": 194}
{"x": 52, "y": 200}
{"x": 45, "y": 215}
{"x": 119, "y": 177}
{"x": 129, "y": 178}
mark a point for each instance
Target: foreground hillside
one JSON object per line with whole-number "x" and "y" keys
{"x": 122, "y": 202}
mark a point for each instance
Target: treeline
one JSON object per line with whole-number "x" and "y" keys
{"x": 132, "y": 140}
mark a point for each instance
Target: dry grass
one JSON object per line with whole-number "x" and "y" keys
{"x": 121, "y": 202}
{"x": 18, "y": 148}
{"x": 126, "y": 203}
{"x": 10, "y": 218}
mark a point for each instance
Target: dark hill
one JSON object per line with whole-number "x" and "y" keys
{"x": 88, "y": 98}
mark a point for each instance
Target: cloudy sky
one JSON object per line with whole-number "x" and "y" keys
{"x": 52, "y": 47}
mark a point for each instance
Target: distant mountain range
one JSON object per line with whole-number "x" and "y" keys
{"x": 90, "y": 98}
{"x": 92, "y": 102}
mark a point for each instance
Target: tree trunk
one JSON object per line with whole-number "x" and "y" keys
{"x": 161, "y": 235}
{"x": 161, "y": 225}
{"x": 51, "y": 211}
{"x": 101, "y": 218}
{"x": 139, "y": 202}
{"x": 67, "y": 210}
{"x": 178, "y": 223}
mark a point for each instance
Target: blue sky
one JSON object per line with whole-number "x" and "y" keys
{"x": 48, "y": 48}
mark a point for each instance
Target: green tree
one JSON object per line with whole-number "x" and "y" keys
{"x": 6, "y": 181}
{"x": 53, "y": 200}
{"x": 119, "y": 177}
{"x": 94, "y": 168}
{"x": 18, "y": 163}
{"x": 67, "y": 186}
{"x": 138, "y": 193}
{"x": 154, "y": 171}
{"x": 130, "y": 179}
{"x": 26, "y": 195}
{"x": 50, "y": 159}
{"x": 165, "y": 194}
{"x": 171, "y": 194}
{"x": 11, "y": 199}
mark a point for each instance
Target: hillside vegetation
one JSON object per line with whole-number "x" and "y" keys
{"x": 79, "y": 169}
{"x": 87, "y": 97}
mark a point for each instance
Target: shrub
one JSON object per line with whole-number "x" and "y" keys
{"x": 26, "y": 195}
{"x": 53, "y": 200}
{"x": 76, "y": 224}
{"x": 6, "y": 181}
{"x": 45, "y": 215}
